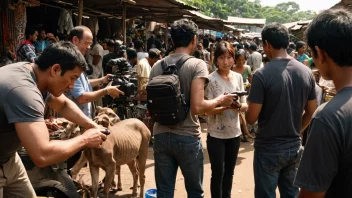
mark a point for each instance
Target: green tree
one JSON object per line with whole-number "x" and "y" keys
{"x": 281, "y": 13}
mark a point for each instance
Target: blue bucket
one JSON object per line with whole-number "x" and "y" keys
{"x": 150, "y": 193}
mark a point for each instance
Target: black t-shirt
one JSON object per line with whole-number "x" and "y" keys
{"x": 283, "y": 87}
{"x": 326, "y": 164}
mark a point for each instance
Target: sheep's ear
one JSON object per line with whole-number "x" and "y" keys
{"x": 99, "y": 108}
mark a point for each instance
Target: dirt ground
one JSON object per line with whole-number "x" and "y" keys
{"x": 243, "y": 184}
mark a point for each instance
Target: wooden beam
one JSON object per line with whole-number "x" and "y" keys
{"x": 80, "y": 12}
{"x": 124, "y": 22}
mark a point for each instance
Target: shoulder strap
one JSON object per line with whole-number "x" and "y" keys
{"x": 178, "y": 64}
{"x": 182, "y": 60}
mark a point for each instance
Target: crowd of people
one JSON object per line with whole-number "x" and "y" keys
{"x": 302, "y": 146}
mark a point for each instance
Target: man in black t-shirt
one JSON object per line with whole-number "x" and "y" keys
{"x": 325, "y": 168}
{"x": 280, "y": 93}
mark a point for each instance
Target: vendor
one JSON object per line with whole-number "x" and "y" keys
{"x": 26, "y": 88}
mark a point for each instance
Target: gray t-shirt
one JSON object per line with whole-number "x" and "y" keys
{"x": 255, "y": 60}
{"x": 20, "y": 101}
{"x": 327, "y": 158}
{"x": 283, "y": 87}
{"x": 225, "y": 125}
{"x": 193, "y": 68}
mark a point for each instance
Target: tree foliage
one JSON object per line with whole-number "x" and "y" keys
{"x": 281, "y": 13}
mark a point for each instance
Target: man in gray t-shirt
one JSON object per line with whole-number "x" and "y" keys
{"x": 180, "y": 145}
{"x": 280, "y": 93}
{"x": 325, "y": 167}
{"x": 25, "y": 89}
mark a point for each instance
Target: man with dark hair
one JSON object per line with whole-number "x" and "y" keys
{"x": 132, "y": 56}
{"x": 143, "y": 70}
{"x": 254, "y": 58}
{"x": 139, "y": 46}
{"x": 43, "y": 41}
{"x": 280, "y": 93}
{"x": 179, "y": 145}
{"x": 26, "y": 88}
{"x": 111, "y": 55}
{"x": 325, "y": 168}
{"x": 26, "y": 51}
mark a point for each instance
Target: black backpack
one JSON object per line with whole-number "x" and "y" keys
{"x": 165, "y": 101}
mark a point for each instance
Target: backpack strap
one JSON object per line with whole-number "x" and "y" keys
{"x": 178, "y": 64}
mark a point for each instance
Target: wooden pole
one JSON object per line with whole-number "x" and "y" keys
{"x": 124, "y": 22}
{"x": 167, "y": 35}
{"x": 80, "y": 12}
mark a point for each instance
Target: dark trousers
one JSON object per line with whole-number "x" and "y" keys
{"x": 278, "y": 169}
{"x": 172, "y": 151}
{"x": 223, "y": 155}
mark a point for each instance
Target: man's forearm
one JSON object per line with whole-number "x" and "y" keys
{"x": 60, "y": 150}
{"x": 92, "y": 96}
{"x": 71, "y": 112}
{"x": 206, "y": 106}
{"x": 305, "y": 121}
{"x": 96, "y": 82}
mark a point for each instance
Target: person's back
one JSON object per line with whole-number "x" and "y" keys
{"x": 279, "y": 122}
{"x": 282, "y": 98}
{"x": 325, "y": 167}
{"x": 179, "y": 145}
{"x": 190, "y": 126}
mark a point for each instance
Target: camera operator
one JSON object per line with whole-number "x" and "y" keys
{"x": 223, "y": 141}
{"x": 81, "y": 93}
{"x": 143, "y": 71}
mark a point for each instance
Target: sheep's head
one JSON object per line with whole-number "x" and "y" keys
{"x": 113, "y": 117}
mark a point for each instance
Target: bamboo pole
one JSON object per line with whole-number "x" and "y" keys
{"x": 124, "y": 22}
{"x": 80, "y": 12}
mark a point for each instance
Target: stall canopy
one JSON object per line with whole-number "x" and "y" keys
{"x": 135, "y": 8}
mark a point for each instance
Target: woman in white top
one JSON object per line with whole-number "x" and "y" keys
{"x": 224, "y": 129}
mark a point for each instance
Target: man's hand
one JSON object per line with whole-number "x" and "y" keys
{"x": 226, "y": 100}
{"x": 113, "y": 91}
{"x": 94, "y": 137}
{"x": 105, "y": 79}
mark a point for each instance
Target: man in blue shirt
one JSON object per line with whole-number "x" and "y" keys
{"x": 82, "y": 93}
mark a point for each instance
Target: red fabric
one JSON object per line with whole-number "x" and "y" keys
{"x": 26, "y": 42}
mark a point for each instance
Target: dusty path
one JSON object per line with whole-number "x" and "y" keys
{"x": 243, "y": 183}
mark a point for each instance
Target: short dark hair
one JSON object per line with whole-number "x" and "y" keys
{"x": 182, "y": 32}
{"x": 154, "y": 53}
{"x": 222, "y": 48}
{"x": 299, "y": 45}
{"x": 30, "y": 32}
{"x": 138, "y": 44}
{"x": 63, "y": 53}
{"x": 77, "y": 31}
{"x": 253, "y": 47}
{"x": 198, "y": 54}
{"x": 331, "y": 31}
{"x": 239, "y": 54}
{"x": 131, "y": 53}
{"x": 110, "y": 43}
{"x": 277, "y": 35}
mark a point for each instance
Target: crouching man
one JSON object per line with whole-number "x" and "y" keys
{"x": 25, "y": 89}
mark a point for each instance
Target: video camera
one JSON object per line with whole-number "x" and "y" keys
{"x": 123, "y": 76}
{"x": 239, "y": 94}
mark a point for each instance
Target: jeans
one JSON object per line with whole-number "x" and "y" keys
{"x": 172, "y": 151}
{"x": 223, "y": 155}
{"x": 273, "y": 170}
